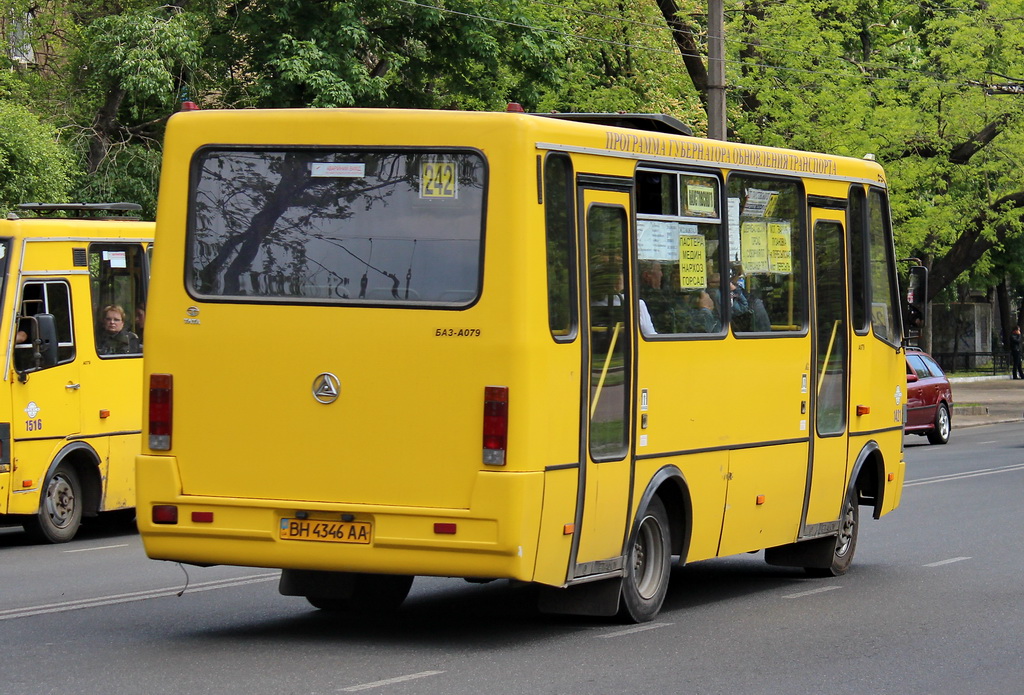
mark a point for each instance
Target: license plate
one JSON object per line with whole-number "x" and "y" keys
{"x": 327, "y": 531}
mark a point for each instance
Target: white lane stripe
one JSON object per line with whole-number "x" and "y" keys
{"x": 100, "y": 547}
{"x": 950, "y": 561}
{"x": 966, "y": 474}
{"x": 389, "y": 681}
{"x": 812, "y": 592}
{"x": 132, "y": 596}
{"x": 631, "y": 630}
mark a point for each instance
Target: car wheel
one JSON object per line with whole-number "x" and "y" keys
{"x": 940, "y": 433}
{"x": 60, "y": 508}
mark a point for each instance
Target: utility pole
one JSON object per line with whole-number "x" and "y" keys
{"x": 716, "y": 70}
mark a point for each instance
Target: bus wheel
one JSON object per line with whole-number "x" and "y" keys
{"x": 846, "y": 541}
{"x": 60, "y": 509}
{"x": 940, "y": 433}
{"x": 372, "y": 594}
{"x": 647, "y": 565}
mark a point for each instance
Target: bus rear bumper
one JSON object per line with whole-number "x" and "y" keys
{"x": 491, "y": 539}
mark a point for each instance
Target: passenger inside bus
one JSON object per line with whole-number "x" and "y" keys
{"x": 114, "y": 338}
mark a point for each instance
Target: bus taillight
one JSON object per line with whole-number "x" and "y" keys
{"x": 161, "y": 411}
{"x": 495, "y": 424}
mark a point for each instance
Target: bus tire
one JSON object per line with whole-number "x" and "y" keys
{"x": 60, "y": 507}
{"x": 648, "y": 565}
{"x": 371, "y": 594}
{"x": 845, "y": 543}
{"x": 940, "y": 433}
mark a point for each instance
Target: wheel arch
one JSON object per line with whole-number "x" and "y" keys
{"x": 867, "y": 476}
{"x": 86, "y": 463}
{"x": 670, "y": 485}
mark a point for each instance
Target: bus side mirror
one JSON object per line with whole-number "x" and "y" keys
{"x": 917, "y": 301}
{"x": 43, "y": 341}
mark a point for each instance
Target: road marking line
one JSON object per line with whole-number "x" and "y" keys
{"x": 101, "y": 547}
{"x": 132, "y": 596}
{"x": 946, "y": 562}
{"x": 968, "y": 474}
{"x": 389, "y": 681}
{"x": 631, "y": 630}
{"x": 812, "y": 592}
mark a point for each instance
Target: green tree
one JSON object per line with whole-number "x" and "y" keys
{"x": 33, "y": 166}
{"x": 473, "y": 54}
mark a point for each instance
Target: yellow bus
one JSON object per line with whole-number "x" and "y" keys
{"x": 73, "y": 281}
{"x": 562, "y": 350}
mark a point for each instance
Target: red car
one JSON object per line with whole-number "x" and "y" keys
{"x": 929, "y": 398}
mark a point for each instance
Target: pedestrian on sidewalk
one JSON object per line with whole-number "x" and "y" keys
{"x": 1015, "y": 352}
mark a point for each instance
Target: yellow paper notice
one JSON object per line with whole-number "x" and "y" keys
{"x": 780, "y": 250}
{"x": 693, "y": 268}
{"x": 754, "y": 247}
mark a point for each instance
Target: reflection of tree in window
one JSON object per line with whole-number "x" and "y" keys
{"x": 558, "y": 212}
{"x": 270, "y": 224}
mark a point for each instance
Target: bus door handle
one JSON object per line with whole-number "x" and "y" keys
{"x": 73, "y": 387}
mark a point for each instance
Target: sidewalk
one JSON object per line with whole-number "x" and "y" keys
{"x": 985, "y": 400}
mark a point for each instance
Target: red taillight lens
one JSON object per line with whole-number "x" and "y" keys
{"x": 161, "y": 411}
{"x": 165, "y": 514}
{"x": 495, "y": 424}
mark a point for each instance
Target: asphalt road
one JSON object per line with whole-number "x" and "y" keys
{"x": 932, "y": 605}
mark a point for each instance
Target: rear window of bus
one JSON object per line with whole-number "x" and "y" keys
{"x": 380, "y": 227}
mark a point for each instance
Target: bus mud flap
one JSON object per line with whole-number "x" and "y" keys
{"x": 813, "y": 553}
{"x": 600, "y": 598}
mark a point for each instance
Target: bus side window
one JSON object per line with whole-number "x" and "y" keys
{"x": 118, "y": 278}
{"x": 559, "y": 217}
{"x": 49, "y": 297}
{"x": 679, "y": 249}
{"x": 884, "y": 302}
{"x": 768, "y": 253}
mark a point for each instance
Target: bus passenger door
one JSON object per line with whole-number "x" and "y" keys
{"x": 606, "y": 398}
{"x": 46, "y": 400}
{"x": 827, "y": 467}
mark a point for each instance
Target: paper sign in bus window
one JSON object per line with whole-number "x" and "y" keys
{"x": 780, "y": 249}
{"x": 760, "y": 203}
{"x": 693, "y": 268}
{"x": 700, "y": 200}
{"x": 438, "y": 180}
{"x": 337, "y": 170}
{"x": 754, "y": 247}
{"x": 734, "y": 229}
{"x": 116, "y": 259}
{"x": 658, "y": 240}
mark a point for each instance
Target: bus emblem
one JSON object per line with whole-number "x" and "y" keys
{"x": 326, "y": 387}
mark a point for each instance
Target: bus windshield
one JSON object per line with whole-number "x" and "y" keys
{"x": 354, "y": 226}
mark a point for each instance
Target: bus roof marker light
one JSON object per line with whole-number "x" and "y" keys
{"x": 495, "y": 424}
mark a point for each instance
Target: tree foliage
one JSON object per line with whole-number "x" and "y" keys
{"x": 932, "y": 89}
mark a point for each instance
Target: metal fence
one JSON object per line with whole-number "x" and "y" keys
{"x": 974, "y": 362}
